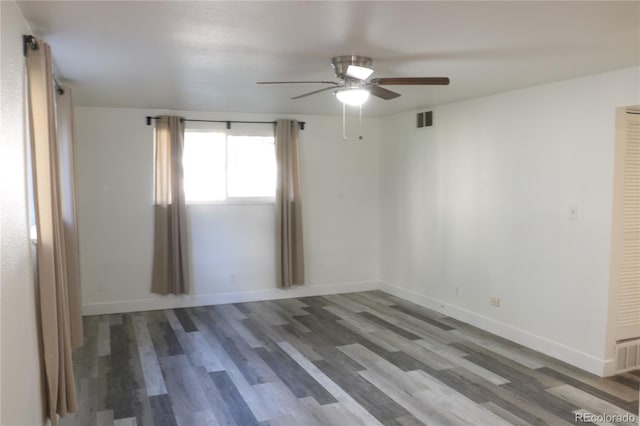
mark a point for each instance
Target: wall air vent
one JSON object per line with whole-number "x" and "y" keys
{"x": 627, "y": 355}
{"x": 424, "y": 119}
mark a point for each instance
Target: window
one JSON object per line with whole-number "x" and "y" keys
{"x": 204, "y": 162}
{"x": 226, "y": 167}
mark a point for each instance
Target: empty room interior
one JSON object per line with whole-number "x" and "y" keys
{"x": 320, "y": 213}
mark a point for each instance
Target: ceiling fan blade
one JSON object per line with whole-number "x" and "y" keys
{"x": 297, "y": 82}
{"x": 381, "y": 92}
{"x": 314, "y": 92}
{"x": 417, "y": 81}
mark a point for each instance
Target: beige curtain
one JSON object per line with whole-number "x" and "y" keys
{"x": 289, "y": 241}
{"x": 171, "y": 236}
{"x": 64, "y": 119}
{"x": 57, "y": 241}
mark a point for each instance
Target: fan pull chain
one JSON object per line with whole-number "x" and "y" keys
{"x": 344, "y": 122}
{"x": 360, "y": 136}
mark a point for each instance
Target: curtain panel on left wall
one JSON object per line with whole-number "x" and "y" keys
{"x": 50, "y": 121}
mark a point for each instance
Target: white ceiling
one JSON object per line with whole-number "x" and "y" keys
{"x": 208, "y": 55}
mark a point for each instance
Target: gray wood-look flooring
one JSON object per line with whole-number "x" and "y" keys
{"x": 353, "y": 359}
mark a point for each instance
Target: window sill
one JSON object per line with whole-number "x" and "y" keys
{"x": 243, "y": 202}
{"x": 33, "y": 235}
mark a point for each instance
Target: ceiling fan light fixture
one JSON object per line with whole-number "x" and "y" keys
{"x": 353, "y": 97}
{"x": 361, "y": 73}
{"x": 354, "y": 85}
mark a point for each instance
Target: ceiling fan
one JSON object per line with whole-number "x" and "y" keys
{"x": 353, "y": 87}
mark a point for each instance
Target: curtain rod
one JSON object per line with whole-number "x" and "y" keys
{"x": 30, "y": 42}
{"x": 228, "y": 122}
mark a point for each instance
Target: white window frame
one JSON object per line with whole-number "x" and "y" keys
{"x": 229, "y": 200}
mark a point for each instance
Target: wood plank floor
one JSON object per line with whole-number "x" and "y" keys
{"x": 353, "y": 359}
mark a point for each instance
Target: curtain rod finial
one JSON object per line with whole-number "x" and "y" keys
{"x": 28, "y": 42}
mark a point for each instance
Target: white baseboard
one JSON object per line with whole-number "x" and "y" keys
{"x": 610, "y": 368}
{"x": 541, "y": 344}
{"x": 169, "y": 302}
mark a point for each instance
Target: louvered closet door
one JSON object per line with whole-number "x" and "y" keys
{"x": 628, "y": 215}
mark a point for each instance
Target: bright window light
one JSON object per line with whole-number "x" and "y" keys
{"x": 251, "y": 167}
{"x": 220, "y": 167}
{"x": 204, "y": 167}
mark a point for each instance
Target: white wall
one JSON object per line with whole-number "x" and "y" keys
{"x": 474, "y": 207}
{"x": 232, "y": 244}
{"x": 21, "y": 390}
{"x": 477, "y": 206}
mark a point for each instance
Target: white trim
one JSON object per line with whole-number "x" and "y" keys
{"x": 168, "y": 302}
{"x": 609, "y": 368}
{"x": 234, "y": 201}
{"x": 33, "y": 234}
{"x": 541, "y": 344}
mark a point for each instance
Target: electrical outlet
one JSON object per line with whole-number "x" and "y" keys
{"x": 494, "y": 301}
